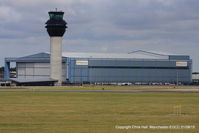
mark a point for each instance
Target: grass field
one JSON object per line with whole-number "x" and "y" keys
{"x": 83, "y": 112}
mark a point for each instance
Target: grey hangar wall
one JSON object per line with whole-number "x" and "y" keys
{"x": 92, "y": 69}
{"x": 128, "y": 70}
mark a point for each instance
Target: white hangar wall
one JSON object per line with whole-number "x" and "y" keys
{"x": 36, "y": 70}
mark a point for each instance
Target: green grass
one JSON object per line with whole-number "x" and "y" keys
{"x": 69, "y": 112}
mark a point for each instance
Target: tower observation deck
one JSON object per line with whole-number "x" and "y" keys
{"x": 56, "y": 25}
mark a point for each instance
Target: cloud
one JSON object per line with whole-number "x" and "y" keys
{"x": 30, "y": 3}
{"x": 8, "y": 15}
{"x": 166, "y": 2}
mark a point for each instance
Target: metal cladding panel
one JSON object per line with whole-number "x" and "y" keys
{"x": 137, "y": 75}
{"x": 21, "y": 71}
{"x": 178, "y": 57}
{"x": 129, "y": 63}
{"x": 195, "y": 76}
{"x": 41, "y": 71}
{"x": 21, "y": 65}
{"x": 128, "y": 71}
{"x": 37, "y": 71}
{"x": 43, "y": 65}
{"x": 29, "y": 71}
{"x": 63, "y": 71}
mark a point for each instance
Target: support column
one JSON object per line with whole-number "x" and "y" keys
{"x": 56, "y": 59}
{"x": 7, "y": 70}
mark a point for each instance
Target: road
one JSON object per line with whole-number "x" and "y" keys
{"x": 107, "y": 91}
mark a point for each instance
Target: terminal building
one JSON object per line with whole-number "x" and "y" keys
{"x": 134, "y": 67}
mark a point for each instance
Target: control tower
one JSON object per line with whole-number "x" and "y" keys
{"x": 56, "y": 27}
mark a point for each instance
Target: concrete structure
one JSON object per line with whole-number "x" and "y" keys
{"x": 135, "y": 67}
{"x": 56, "y": 28}
{"x": 56, "y": 59}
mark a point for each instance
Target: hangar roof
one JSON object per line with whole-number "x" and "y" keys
{"x": 139, "y": 54}
{"x": 135, "y": 54}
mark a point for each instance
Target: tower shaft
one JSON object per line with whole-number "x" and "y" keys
{"x": 56, "y": 59}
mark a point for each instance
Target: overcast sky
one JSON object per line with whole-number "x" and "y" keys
{"x": 119, "y": 26}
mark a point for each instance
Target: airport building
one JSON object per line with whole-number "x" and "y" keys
{"x": 134, "y": 67}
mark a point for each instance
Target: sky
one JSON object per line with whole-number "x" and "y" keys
{"x": 103, "y": 26}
